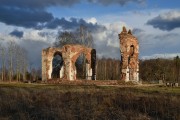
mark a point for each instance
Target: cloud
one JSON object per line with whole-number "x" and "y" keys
{"x": 34, "y": 49}
{"x": 33, "y": 14}
{"x": 157, "y": 43}
{"x": 107, "y": 51}
{"x": 23, "y": 17}
{"x": 92, "y": 20}
{"x": 119, "y": 2}
{"x": 40, "y": 19}
{"x": 42, "y": 4}
{"x": 37, "y": 4}
{"x": 166, "y": 21}
{"x": 73, "y": 23}
{"x": 137, "y": 31}
{"x": 107, "y": 42}
{"x": 16, "y": 33}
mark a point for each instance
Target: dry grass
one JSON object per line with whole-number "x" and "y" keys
{"x": 44, "y": 101}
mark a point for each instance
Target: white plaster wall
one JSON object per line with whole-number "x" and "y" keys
{"x": 137, "y": 77}
{"x": 127, "y": 74}
{"x": 50, "y": 68}
{"x": 134, "y": 75}
{"x": 71, "y": 71}
{"x": 88, "y": 72}
{"x": 62, "y": 72}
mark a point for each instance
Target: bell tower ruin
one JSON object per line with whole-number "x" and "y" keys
{"x": 129, "y": 49}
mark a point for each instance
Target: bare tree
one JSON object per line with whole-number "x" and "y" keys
{"x": 64, "y": 38}
{"x": 3, "y": 62}
{"x": 16, "y": 60}
{"x": 177, "y": 68}
{"x": 81, "y": 36}
{"x": 86, "y": 39}
{"x": 17, "y": 53}
{"x": 24, "y": 63}
{"x": 11, "y": 48}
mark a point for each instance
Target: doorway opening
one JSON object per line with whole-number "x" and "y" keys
{"x": 57, "y": 66}
{"x": 80, "y": 65}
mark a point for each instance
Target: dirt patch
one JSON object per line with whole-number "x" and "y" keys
{"x": 89, "y": 82}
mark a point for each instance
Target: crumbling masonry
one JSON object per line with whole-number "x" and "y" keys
{"x": 129, "y": 49}
{"x": 69, "y": 54}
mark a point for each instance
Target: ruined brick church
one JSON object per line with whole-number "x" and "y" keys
{"x": 129, "y": 50}
{"x": 69, "y": 55}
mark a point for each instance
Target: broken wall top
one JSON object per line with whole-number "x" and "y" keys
{"x": 69, "y": 51}
{"x": 126, "y": 40}
{"x": 68, "y": 48}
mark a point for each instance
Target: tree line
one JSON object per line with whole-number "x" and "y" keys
{"x": 15, "y": 64}
{"x": 160, "y": 69}
{"x": 108, "y": 69}
{"x": 150, "y": 70}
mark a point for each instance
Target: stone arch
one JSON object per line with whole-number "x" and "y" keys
{"x": 69, "y": 54}
{"x": 57, "y": 53}
{"x": 47, "y": 58}
{"x": 87, "y": 52}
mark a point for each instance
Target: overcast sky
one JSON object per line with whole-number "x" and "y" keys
{"x": 34, "y": 24}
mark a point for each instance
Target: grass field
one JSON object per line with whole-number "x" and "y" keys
{"x": 84, "y": 102}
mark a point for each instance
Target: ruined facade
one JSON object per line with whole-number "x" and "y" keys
{"x": 69, "y": 54}
{"x": 129, "y": 49}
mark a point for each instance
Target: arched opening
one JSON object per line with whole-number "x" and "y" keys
{"x": 131, "y": 50}
{"x": 81, "y": 64}
{"x": 131, "y": 53}
{"x": 57, "y": 66}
